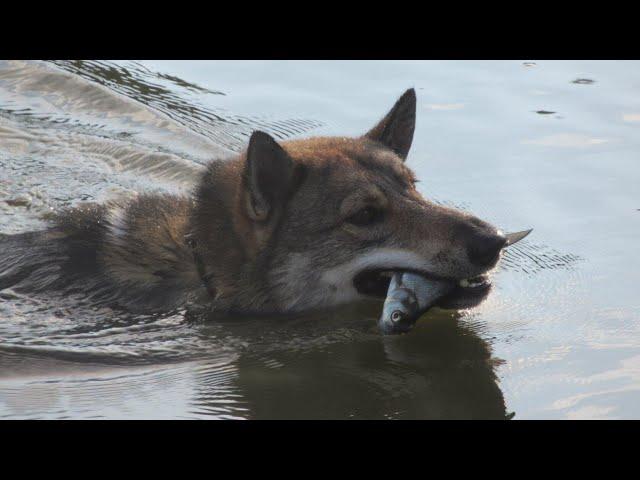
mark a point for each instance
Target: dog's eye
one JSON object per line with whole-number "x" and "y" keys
{"x": 366, "y": 216}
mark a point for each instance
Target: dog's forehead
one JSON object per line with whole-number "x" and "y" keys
{"x": 345, "y": 157}
{"x": 385, "y": 162}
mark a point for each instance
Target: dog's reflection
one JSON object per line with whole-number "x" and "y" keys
{"x": 440, "y": 370}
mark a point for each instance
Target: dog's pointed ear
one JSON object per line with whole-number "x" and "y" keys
{"x": 395, "y": 130}
{"x": 268, "y": 176}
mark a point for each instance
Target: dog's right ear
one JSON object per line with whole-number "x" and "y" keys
{"x": 395, "y": 130}
{"x": 268, "y": 176}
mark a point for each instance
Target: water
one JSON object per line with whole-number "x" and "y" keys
{"x": 551, "y": 145}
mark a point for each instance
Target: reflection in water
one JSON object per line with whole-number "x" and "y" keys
{"x": 442, "y": 370}
{"x": 331, "y": 365}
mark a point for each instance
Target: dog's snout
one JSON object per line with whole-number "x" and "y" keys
{"x": 484, "y": 249}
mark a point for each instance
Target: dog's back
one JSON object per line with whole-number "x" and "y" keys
{"x": 130, "y": 254}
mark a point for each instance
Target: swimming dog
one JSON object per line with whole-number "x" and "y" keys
{"x": 283, "y": 227}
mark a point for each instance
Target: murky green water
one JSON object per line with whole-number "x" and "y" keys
{"x": 550, "y": 145}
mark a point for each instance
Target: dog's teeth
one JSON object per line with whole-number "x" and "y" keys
{"x": 464, "y": 282}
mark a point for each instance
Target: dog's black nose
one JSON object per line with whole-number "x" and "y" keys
{"x": 485, "y": 248}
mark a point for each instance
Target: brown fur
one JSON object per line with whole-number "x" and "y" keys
{"x": 274, "y": 229}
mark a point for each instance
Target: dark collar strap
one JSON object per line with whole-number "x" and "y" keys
{"x": 197, "y": 259}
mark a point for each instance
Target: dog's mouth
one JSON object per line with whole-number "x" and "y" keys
{"x": 464, "y": 293}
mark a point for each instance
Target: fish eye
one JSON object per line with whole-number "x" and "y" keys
{"x": 396, "y": 316}
{"x": 366, "y": 216}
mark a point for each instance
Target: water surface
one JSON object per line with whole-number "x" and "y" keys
{"x": 545, "y": 144}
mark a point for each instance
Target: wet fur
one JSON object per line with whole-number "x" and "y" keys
{"x": 141, "y": 264}
{"x": 268, "y": 230}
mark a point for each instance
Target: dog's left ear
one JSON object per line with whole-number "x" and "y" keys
{"x": 395, "y": 130}
{"x": 268, "y": 176}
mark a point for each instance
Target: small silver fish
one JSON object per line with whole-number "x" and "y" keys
{"x": 408, "y": 297}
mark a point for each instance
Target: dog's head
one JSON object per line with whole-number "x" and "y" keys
{"x": 327, "y": 218}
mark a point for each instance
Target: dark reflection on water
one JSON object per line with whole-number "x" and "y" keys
{"x": 443, "y": 370}
{"x": 325, "y": 365}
